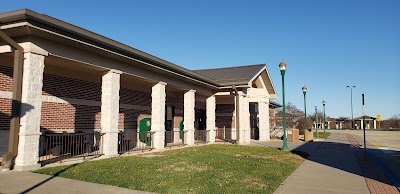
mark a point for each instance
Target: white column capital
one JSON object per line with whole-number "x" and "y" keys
{"x": 115, "y": 71}
{"x": 160, "y": 83}
{"x": 29, "y": 47}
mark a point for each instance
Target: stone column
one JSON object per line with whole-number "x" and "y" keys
{"x": 329, "y": 125}
{"x": 244, "y": 119}
{"x": 109, "y": 111}
{"x": 188, "y": 116}
{"x": 31, "y": 108}
{"x": 340, "y": 125}
{"x": 263, "y": 117}
{"x": 374, "y": 124}
{"x": 210, "y": 108}
{"x": 158, "y": 115}
{"x": 337, "y": 125}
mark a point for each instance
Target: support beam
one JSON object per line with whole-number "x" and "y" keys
{"x": 31, "y": 108}
{"x": 210, "y": 108}
{"x": 158, "y": 115}
{"x": 189, "y": 116}
{"x": 16, "y": 101}
{"x": 109, "y": 111}
{"x": 263, "y": 120}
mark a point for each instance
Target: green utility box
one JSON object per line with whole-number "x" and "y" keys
{"x": 145, "y": 127}
{"x": 181, "y": 130}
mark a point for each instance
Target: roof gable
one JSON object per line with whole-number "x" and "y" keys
{"x": 228, "y": 76}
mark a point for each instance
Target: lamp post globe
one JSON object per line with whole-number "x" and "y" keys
{"x": 282, "y": 67}
{"x": 304, "y": 89}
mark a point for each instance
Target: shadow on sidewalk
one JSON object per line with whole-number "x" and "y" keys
{"x": 346, "y": 153}
{"x": 53, "y": 176}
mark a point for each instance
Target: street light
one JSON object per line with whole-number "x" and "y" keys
{"x": 282, "y": 67}
{"x": 316, "y": 121}
{"x": 304, "y": 88}
{"x": 351, "y": 104}
{"x": 323, "y": 103}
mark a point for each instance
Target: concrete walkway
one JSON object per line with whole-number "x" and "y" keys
{"x": 330, "y": 168}
{"x": 338, "y": 165}
{"x": 3, "y": 143}
{"x": 28, "y": 182}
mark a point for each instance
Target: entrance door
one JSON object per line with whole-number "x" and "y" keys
{"x": 200, "y": 120}
{"x": 169, "y": 124}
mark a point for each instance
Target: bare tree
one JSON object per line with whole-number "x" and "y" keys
{"x": 391, "y": 123}
{"x": 294, "y": 116}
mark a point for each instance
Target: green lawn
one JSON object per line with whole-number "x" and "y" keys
{"x": 322, "y": 134}
{"x": 201, "y": 169}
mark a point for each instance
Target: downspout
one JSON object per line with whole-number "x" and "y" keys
{"x": 16, "y": 102}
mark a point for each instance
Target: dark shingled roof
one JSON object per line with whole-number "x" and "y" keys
{"x": 366, "y": 118}
{"x": 273, "y": 104}
{"x": 228, "y": 76}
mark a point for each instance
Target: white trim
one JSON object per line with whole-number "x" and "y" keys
{"x": 55, "y": 99}
{"x": 5, "y": 94}
{"x": 272, "y": 84}
{"x": 255, "y": 77}
{"x": 5, "y": 49}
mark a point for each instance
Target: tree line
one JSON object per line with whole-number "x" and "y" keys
{"x": 295, "y": 119}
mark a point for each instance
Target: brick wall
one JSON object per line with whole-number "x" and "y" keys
{"x": 54, "y": 85}
{"x": 177, "y": 103}
{"x": 129, "y": 119}
{"x": 64, "y": 117}
{"x": 6, "y": 78}
{"x": 67, "y": 117}
{"x": 6, "y": 83}
{"x": 5, "y": 113}
{"x": 200, "y": 105}
{"x": 134, "y": 97}
{"x": 223, "y": 120}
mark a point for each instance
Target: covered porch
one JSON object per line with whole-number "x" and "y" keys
{"x": 85, "y": 95}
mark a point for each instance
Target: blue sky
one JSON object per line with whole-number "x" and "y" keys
{"x": 326, "y": 44}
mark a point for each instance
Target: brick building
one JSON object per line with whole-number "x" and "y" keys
{"x": 76, "y": 81}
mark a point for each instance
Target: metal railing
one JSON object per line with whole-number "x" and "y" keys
{"x": 174, "y": 138}
{"x": 224, "y": 135}
{"x": 200, "y": 136}
{"x": 56, "y": 147}
{"x": 134, "y": 141}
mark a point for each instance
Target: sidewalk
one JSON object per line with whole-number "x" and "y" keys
{"x": 330, "y": 168}
{"x": 336, "y": 165}
{"x": 28, "y": 182}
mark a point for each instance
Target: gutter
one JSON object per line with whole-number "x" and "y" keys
{"x": 9, "y": 157}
